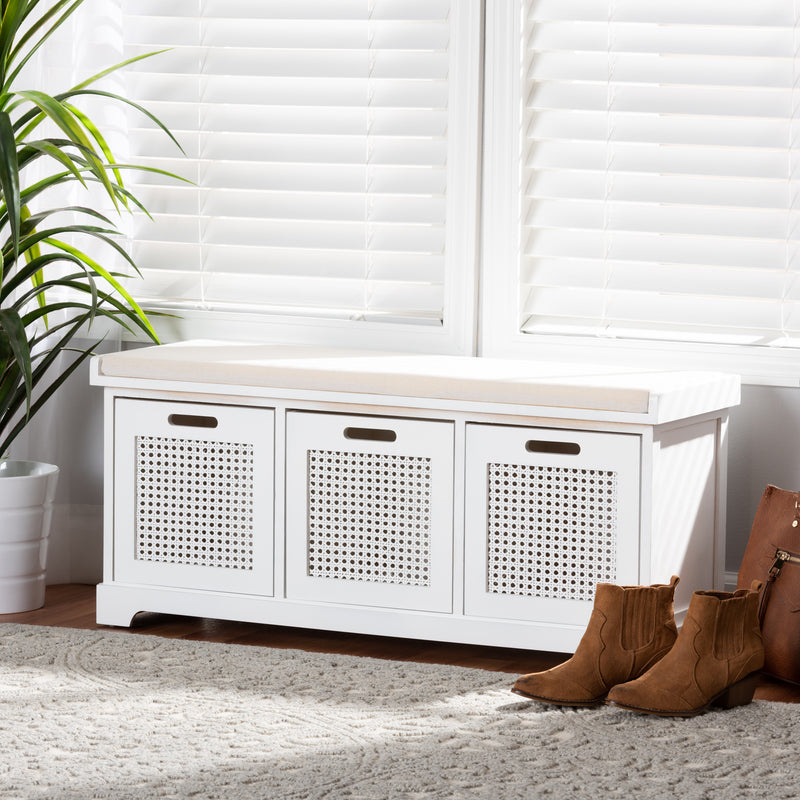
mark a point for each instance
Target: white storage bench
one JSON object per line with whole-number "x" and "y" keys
{"x": 448, "y": 498}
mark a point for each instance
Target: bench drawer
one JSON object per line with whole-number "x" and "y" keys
{"x": 549, "y": 513}
{"x": 193, "y": 495}
{"x": 369, "y": 510}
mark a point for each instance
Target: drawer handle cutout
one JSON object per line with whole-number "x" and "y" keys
{"x": 555, "y": 448}
{"x": 370, "y": 434}
{"x": 192, "y": 421}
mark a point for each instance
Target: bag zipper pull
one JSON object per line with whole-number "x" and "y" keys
{"x": 781, "y": 557}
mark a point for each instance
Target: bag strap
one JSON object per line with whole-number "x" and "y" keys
{"x": 762, "y": 603}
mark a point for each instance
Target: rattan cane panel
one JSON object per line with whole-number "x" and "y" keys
{"x": 194, "y": 502}
{"x": 551, "y": 530}
{"x": 369, "y": 517}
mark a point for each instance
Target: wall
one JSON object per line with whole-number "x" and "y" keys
{"x": 68, "y": 432}
{"x": 764, "y": 447}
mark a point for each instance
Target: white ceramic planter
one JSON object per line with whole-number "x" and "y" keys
{"x": 27, "y": 489}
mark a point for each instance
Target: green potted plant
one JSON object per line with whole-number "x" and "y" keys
{"x": 51, "y": 289}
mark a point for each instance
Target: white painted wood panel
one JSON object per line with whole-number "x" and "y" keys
{"x": 685, "y": 537}
{"x": 369, "y": 511}
{"x": 549, "y": 514}
{"x": 193, "y": 495}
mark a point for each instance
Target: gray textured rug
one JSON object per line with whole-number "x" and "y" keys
{"x": 87, "y": 714}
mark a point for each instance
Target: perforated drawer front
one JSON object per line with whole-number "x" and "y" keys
{"x": 549, "y": 515}
{"x": 369, "y": 510}
{"x": 194, "y": 502}
{"x": 369, "y": 517}
{"x": 550, "y": 531}
{"x": 200, "y": 513}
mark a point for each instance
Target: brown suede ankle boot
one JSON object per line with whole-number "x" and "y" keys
{"x": 715, "y": 660}
{"x": 631, "y": 628}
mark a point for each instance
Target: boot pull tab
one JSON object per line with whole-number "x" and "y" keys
{"x": 674, "y": 580}
{"x": 755, "y": 586}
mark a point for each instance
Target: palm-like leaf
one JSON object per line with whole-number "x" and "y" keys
{"x": 9, "y": 179}
{"x": 51, "y": 289}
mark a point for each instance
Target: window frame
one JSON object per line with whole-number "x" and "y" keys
{"x": 457, "y": 334}
{"x": 501, "y": 214}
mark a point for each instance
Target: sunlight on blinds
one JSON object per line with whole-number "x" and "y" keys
{"x": 316, "y": 135}
{"x": 659, "y": 170}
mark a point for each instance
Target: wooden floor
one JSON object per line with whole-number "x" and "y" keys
{"x": 73, "y": 606}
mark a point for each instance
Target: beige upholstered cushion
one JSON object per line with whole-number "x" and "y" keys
{"x": 514, "y": 382}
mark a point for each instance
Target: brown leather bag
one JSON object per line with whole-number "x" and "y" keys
{"x": 773, "y": 557}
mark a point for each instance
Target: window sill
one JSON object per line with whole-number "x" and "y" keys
{"x": 758, "y": 366}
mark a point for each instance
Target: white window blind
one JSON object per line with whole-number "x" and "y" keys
{"x": 319, "y": 136}
{"x": 658, "y": 170}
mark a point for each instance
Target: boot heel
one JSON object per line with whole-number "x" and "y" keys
{"x": 739, "y": 693}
